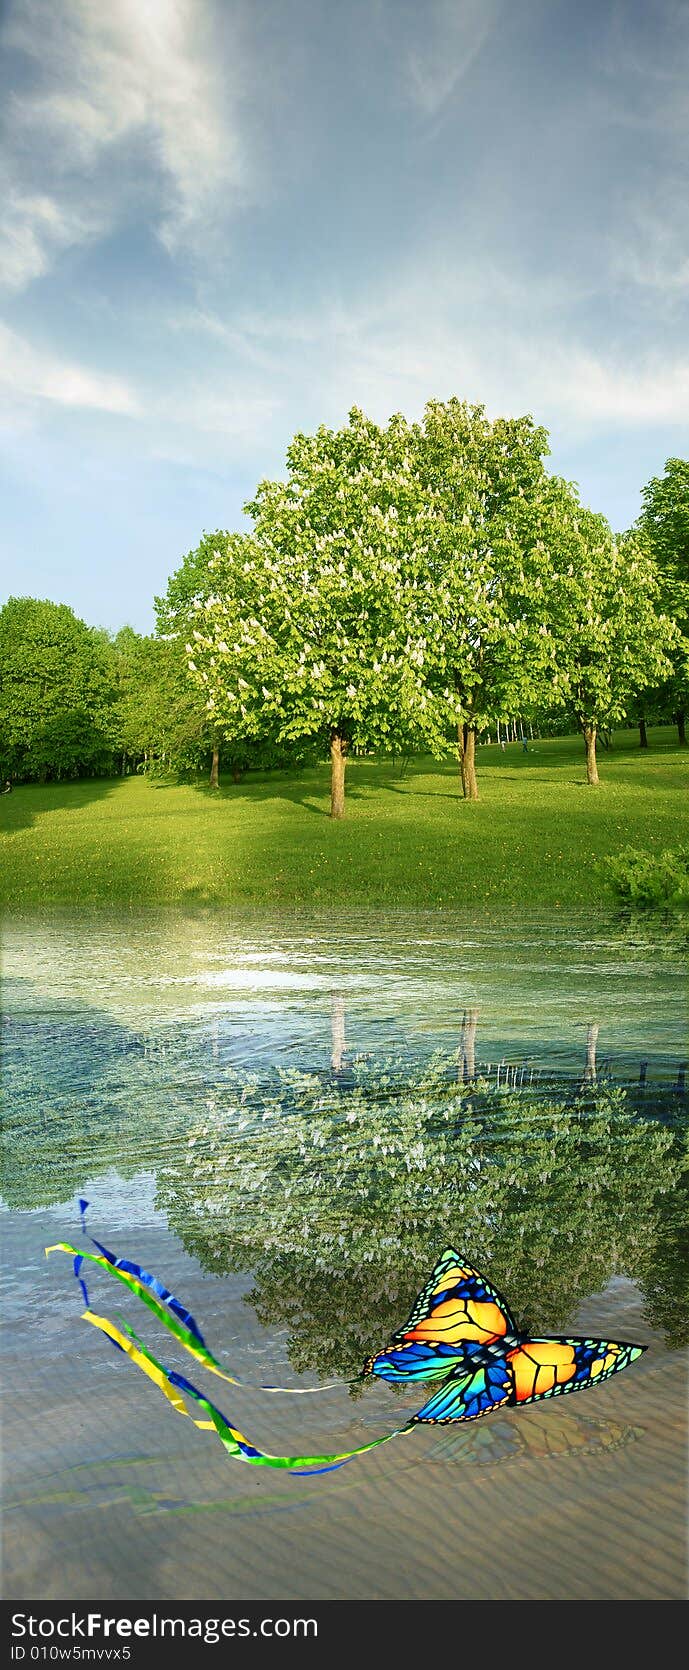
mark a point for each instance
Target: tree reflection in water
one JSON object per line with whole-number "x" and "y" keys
{"x": 339, "y": 1196}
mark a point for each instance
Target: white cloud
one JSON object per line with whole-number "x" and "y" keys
{"x": 393, "y": 352}
{"x": 452, "y": 35}
{"x": 590, "y": 390}
{"x": 34, "y": 228}
{"x": 30, "y": 376}
{"x": 209, "y": 429}
{"x": 205, "y": 421}
{"x": 127, "y": 100}
{"x": 651, "y": 249}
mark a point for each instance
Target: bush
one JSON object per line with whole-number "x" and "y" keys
{"x": 652, "y": 881}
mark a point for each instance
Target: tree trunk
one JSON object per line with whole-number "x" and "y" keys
{"x": 681, "y": 727}
{"x": 591, "y": 766}
{"x": 337, "y": 1023}
{"x": 591, "y": 1046}
{"x": 466, "y": 1059}
{"x": 643, "y": 739}
{"x": 214, "y": 779}
{"x": 338, "y": 749}
{"x": 468, "y": 763}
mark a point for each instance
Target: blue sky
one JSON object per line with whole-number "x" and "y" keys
{"x": 226, "y": 220}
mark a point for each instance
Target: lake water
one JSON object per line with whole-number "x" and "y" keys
{"x": 287, "y": 1124}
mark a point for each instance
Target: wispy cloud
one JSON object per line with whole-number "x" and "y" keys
{"x": 645, "y": 59}
{"x": 238, "y": 386}
{"x": 592, "y": 390}
{"x": 451, "y": 34}
{"x": 194, "y": 420}
{"x": 651, "y": 250}
{"x": 480, "y": 341}
{"x": 36, "y": 227}
{"x": 208, "y": 428}
{"x": 118, "y": 95}
{"x": 30, "y": 376}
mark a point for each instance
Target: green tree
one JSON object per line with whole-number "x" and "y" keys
{"x": 161, "y": 721}
{"x": 611, "y": 632}
{"x": 51, "y": 666}
{"x": 211, "y": 571}
{"x": 392, "y": 592}
{"x": 70, "y": 745}
{"x": 664, "y": 526}
{"x": 315, "y": 628}
{"x": 483, "y": 516}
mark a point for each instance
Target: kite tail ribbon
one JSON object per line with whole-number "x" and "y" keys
{"x": 236, "y": 1445}
{"x": 166, "y": 1307}
{"x": 180, "y": 1322}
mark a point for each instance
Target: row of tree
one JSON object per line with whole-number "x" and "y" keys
{"x": 404, "y": 588}
{"x": 76, "y": 702}
{"x": 80, "y": 702}
{"x": 407, "y": 582}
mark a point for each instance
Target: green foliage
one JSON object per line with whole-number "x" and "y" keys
{"x": 394, "y": 585}
{"x": 652, "y": 881}
{"x": 69, "y": 745}
{"x": 214, "y": 564}
{"x": 612, "y": 636}
{"x": 665, "y": 522}
{"x": 51, "y": 666}
{"x": 664, "y": 527}
{"x": 313, "y": 625}
{"x": 160, "y": 723}
{"x": 482, "y": 515}
{"x": 667, "y": 1299}
{"x": 192, "y": 583}
{"x": 403, "y": 580}
{"x": 400, "y": 582}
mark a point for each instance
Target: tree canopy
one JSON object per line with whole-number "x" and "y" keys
{"x": 612, "y": 636}
{"x": 317, "y": 626}
{"x": 55, "y": 677}
{"x": 482, "y": 520}
{"x": 403, "y": 588}
{"x": 160, "y": 720}
{"x": 410, "y": 584}
{"x": 664, "y": 526}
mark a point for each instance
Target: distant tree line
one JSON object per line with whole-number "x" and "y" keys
{"x": 406, "y": 588}
{"x": 76, "y": 701}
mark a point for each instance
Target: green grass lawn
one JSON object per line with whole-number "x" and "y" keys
{"x": 533, "y": 840}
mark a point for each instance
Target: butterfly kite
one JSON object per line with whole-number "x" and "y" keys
{"x": 460, "y": 1334}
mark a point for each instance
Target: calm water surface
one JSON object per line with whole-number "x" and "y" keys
{"x": 288, "y": 1124}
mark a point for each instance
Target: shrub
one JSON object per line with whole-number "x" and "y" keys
{"x": 652, "y": 881}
